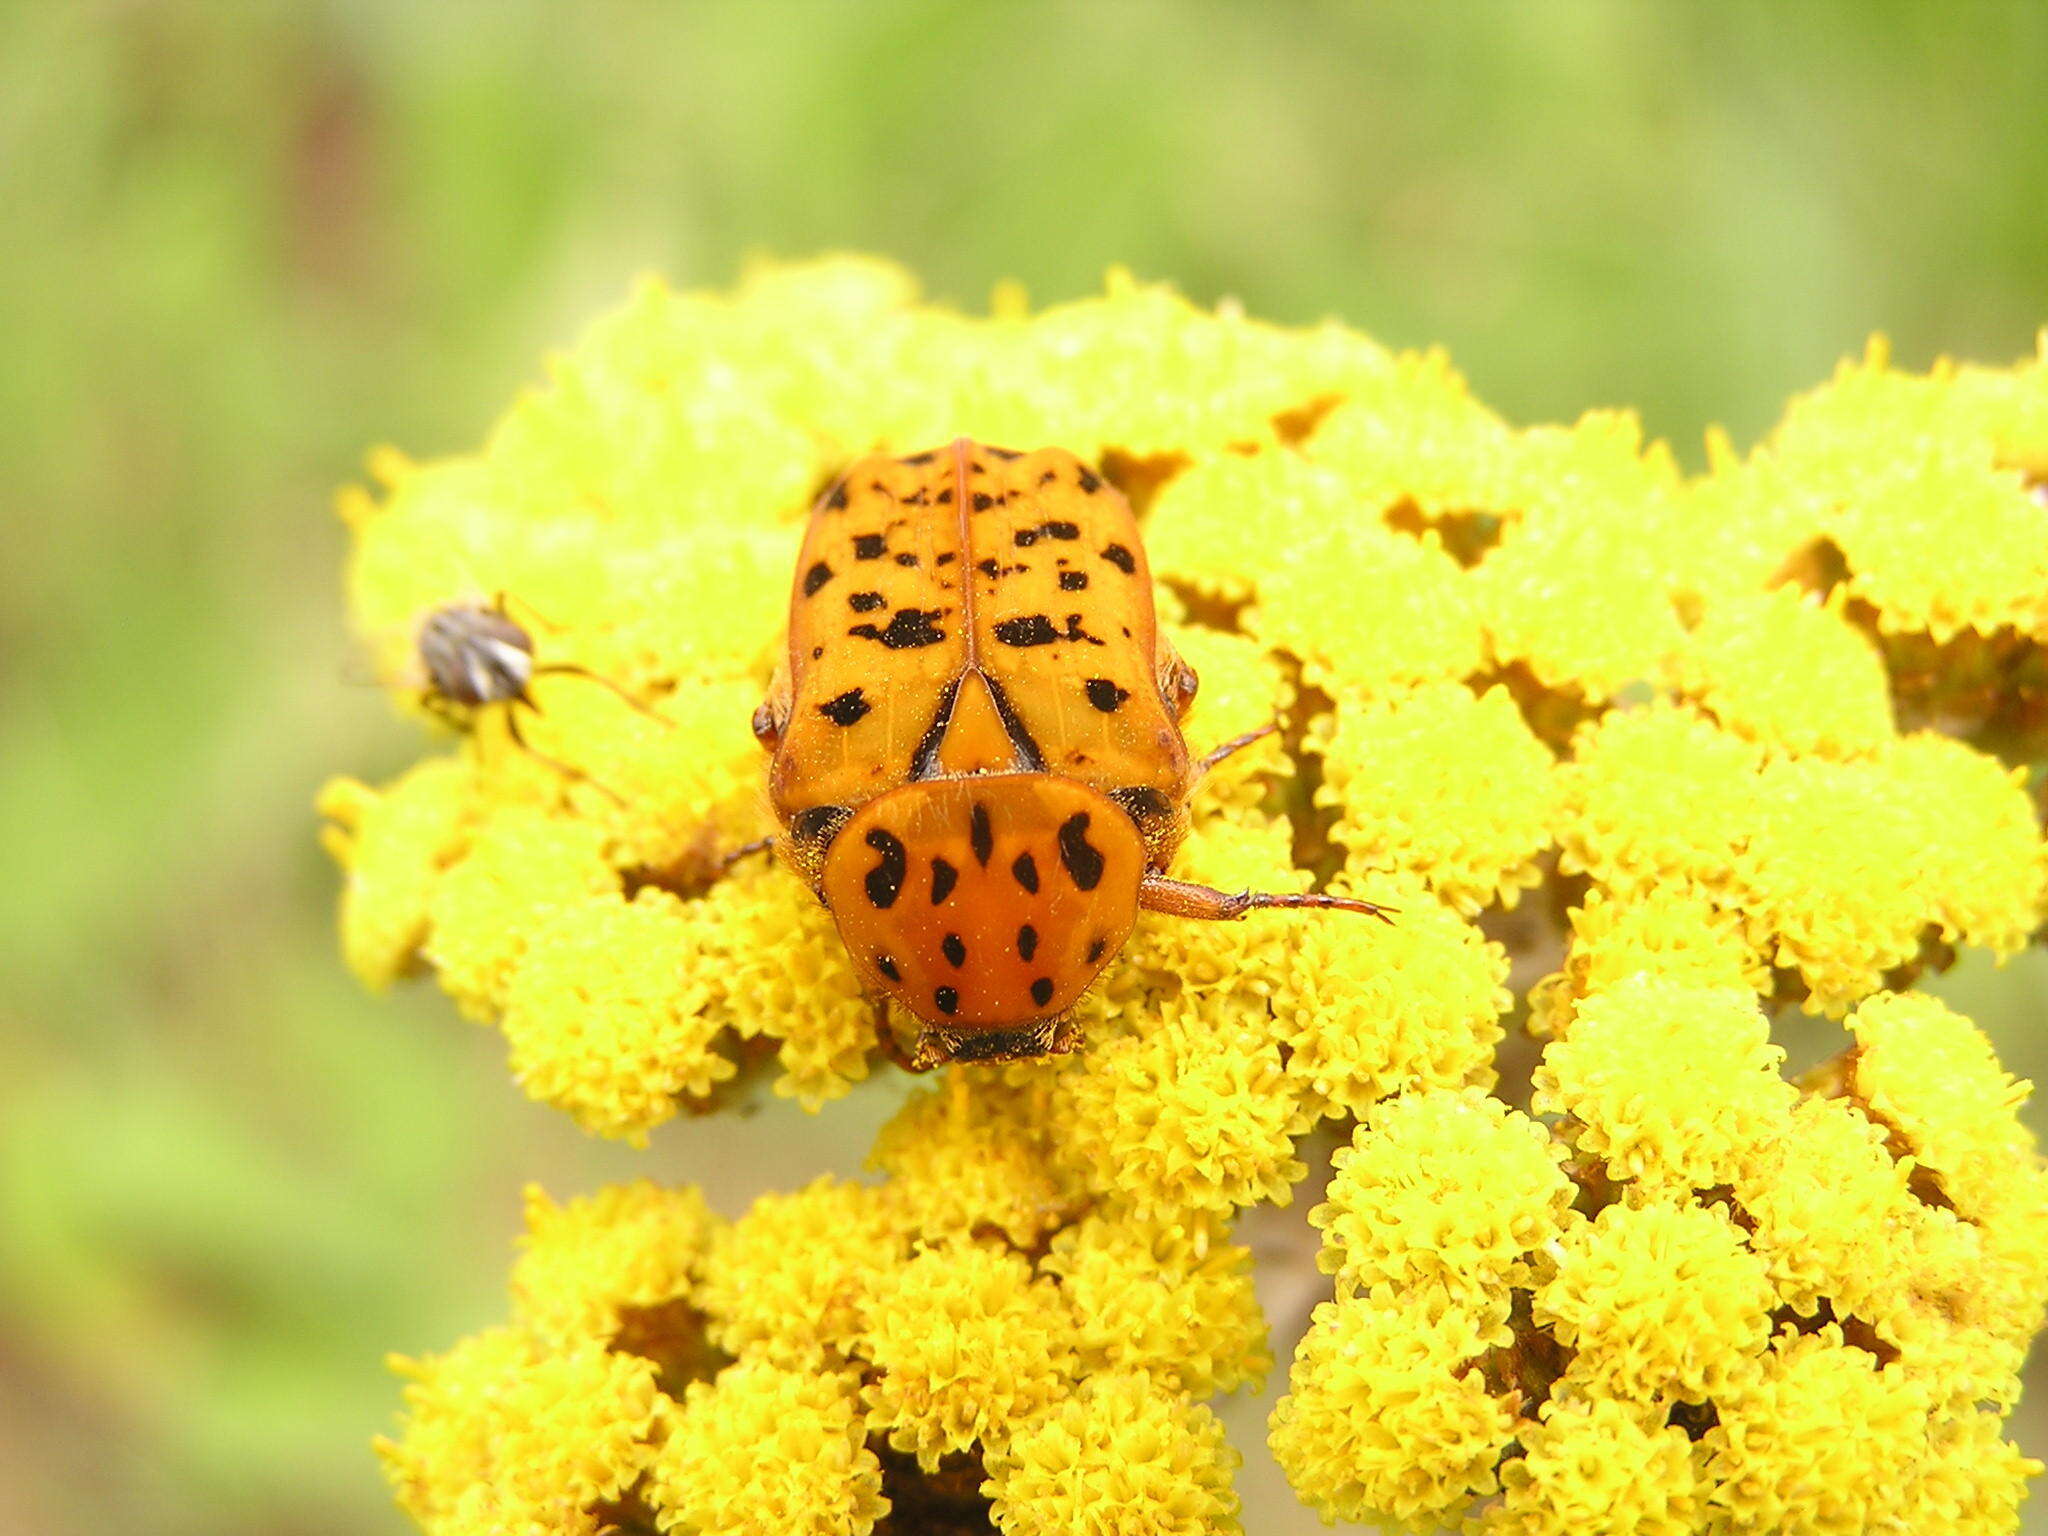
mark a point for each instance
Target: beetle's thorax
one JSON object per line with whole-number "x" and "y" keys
{"x": 985, "y": 902}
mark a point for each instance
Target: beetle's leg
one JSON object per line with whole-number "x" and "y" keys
{"x": 572, "y": 669}
{"x": 1182, "y": 898}
{"x": 885, "y": 1037}
{"x": 576, "y": 775}
{"x": 1235, "y": 745}
{"x": 746, "y": 851}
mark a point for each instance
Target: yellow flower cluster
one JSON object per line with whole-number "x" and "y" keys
{"x": 824, "y": 1361}
{"x": 1684, "y": 727}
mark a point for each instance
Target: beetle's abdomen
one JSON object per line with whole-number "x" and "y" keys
{"x": 985, "y": 903}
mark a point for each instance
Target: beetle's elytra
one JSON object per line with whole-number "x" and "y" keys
{"x": 978, "y": 761}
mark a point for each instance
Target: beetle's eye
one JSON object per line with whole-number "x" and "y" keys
{"x": 766, "y": 731}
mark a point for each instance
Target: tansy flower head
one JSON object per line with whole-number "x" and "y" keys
{"x": 504, "y": 1433}
{"x": 1661, "y": 1299}
{"x": 1669, "y": 1084}
{"x": 1406, "y": 1205}
{"x": 1387, "y": 1417}
{"x": 1637, "y": 758}
{"x": 966, "y": 1344}
{"x": 763, "y": 1450}
{"x": 1120, "y": 1457}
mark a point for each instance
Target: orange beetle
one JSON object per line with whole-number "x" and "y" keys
{"x": 978, "y": 762}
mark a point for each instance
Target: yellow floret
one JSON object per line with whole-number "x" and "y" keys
{"x": 1658, "y": 1300}
{"x": 1446, "y": 1187}
{"x": 1789, "y": 672}
{"x": 1654, "y": 798}
{"x": 521, "y": 867}
{"x": 1981, "y": 859}
{"x": 778, "y": 968}
{"x": 787, "y": 1279}
{"x": 1121, "y": 1457}
{"x": 1828, "y": 884}
{"x": 965, "y": 1347}
{"x": 1671, "y": 931}
{"x": 1832, "y": 1211}
{"x": 1595, "y": 1466}
{"x": 1815, "y": 1439}
{"x": 1418, "y": 440}
{"x": 584, "y": 1265}
{"x": 1439, "y": 782}
{"x": 1387, "y": 1421}
{"x": 1930, "y": 1076}
{"x": 605, "y": 1023}
{"x": 973, "y": 1155}
{"x": 1366, "y": 1009}
{"x": 394, "y": 846}
{"x": 767, "y": 1451}
{"x": 1670, "y": 1084}
{"x": 1191, "y": 1113}
{"x": 505, "y": 1434}
{"x": 1171, "y": 1298}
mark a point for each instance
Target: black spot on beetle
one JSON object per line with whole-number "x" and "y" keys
{"x": 945, "y": 497}
{"x": 980, "y": 836}
{"x": 1027, "y": 941}
{"x": 817, "y": 651}
{"x": 944, "y": 877}
{"x": 919, "y": 458}
{"x": 1073, "y": 581}
{"x": 1120, "y": 557}
{"x": 1105, "y": 695}
{"x": 1003, "y": 453}
{"x": 816, "y": 577}
{"x": 836, "y": 502}
{"x": 869, "y": 546}
{"x": 1024, "y": 538}
{"x": 955, "y": 950}
{"x": 948, "y": 1000}
{"x": 885, "y": 880}
{"x": 1076, "y": 632}
{"x": 906, "y": 559}
{"x": 865, "y": 602}
{"x": 1095, "y": 950}
{"x": 908, "y": 629}
{"x": 991, "y": 567}
{"x": 947, "y": 558}
{"x": 1041, "y": 991}
{"x": 983, "y": 501}
{"x": 1089, "y": 481}
{"x": 1029, "y": 629}
{"x": 1061, "y": 530}
{"x": 887, "y": 967}
{"x": 846, "y": 708}
{"x": 1026, "y": 870}
{"x": 1082, "y": 859}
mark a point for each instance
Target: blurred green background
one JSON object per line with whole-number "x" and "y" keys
{"x": 240, "y": 243}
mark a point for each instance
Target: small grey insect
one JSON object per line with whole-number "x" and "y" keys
{"x": 476, "y": 655}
